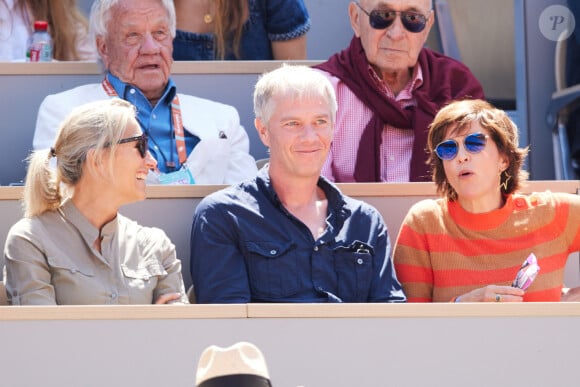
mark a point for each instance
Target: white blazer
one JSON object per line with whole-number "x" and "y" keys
{"x": 221, "y": 157}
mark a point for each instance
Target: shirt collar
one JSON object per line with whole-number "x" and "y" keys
{"x": 89, "y": 232}
{"x": 336, "y": 204}
{"x": 415, "y": 82}
{"x": 124, "y": 89}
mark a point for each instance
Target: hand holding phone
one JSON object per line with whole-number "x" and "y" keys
{"x": 527, "y": 273}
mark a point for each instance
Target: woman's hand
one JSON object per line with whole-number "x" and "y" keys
{"x": 493, "y": 293}
{"x": 168, "y": 298}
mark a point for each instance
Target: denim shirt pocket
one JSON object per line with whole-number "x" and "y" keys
{"x": 144, "y": 276}
{"x": 272, "y": 268}
{"x": 354, "y": 270}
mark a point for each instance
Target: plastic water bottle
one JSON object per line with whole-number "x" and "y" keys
{"x": 41, "y": 44}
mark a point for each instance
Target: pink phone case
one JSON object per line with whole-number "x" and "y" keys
{"x": 527, "y": 273}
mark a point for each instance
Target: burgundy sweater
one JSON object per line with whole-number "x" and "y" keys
{"x": 444, "y": 80}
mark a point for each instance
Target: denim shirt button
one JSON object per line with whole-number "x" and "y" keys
{"x": 359, "y": 261}
{"x": 272, "y": 252}
{"x": 315, "y": 248}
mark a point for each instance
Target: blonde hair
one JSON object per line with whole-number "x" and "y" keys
{"x": 458, "y": 117}
{"x": 90, "y": 127}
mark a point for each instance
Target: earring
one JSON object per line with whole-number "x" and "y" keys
{"x": 504, "y": 185}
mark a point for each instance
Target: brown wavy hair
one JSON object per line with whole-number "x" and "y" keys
{"x": 457, "y": 118}
{"x": 231, "y": 15}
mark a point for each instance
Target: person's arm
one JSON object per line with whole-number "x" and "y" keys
{"x": 413, "y": 264}
{"x": 28, "y": 278}
{"x": 385, "y": 286}
{"x": 217, "y": 264}
{"x": 572, "y": 202}
{"x": 492, "y": 293}
{"x": 294, "y": 49}
{"x": 287, "y": 23}
{"x": 170, "y": 287}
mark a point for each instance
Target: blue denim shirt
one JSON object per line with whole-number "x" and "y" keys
{"x": 246, "y": 247}
{"x": 156, "y": 122}
{"x": 269, "y": 20}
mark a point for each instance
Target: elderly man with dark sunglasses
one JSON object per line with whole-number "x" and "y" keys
{"x": 389, "y": 88}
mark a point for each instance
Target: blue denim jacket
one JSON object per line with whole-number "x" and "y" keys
{"x": 269, "y": 20}
{"x": 246, "y": 247}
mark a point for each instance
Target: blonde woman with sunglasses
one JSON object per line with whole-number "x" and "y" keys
{"x": 72, "y": 246}
{"x": 470, "y": 245}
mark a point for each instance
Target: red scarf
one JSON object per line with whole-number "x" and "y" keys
{"x": 444, "y": 80}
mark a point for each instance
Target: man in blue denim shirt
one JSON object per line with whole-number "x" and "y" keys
{"x": 289, "y": 235}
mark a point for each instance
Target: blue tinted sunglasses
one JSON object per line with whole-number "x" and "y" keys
{"x": 380, "y": 20}
{"x": 142, "y": 143}
{"x": 473, "y": 143}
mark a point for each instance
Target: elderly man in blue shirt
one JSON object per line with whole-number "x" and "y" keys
{"x": 193, "y": 140}
{"x": 289, "y": 235}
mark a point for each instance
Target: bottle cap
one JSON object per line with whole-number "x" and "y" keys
{"x": 40, "y": 25}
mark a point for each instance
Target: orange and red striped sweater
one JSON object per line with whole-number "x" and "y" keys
{"x": 443, "y": 251}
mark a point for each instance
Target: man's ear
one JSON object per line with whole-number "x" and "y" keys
{"x": 354, "y": 16}
{"x": 262, "y": 131}
{"x": 102, "y": 49}
{"x": 430, "y": 22}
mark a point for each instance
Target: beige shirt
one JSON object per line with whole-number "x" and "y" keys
{"x": 51, "y": 259}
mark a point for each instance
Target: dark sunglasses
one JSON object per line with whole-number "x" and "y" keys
{"x": 142, "y": 143}
{"x": 473, "y": 143}
{"x": 380, "y": 20}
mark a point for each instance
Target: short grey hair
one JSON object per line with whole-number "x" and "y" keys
{"x": 292, "y": 81}
{"x": 101, "y": 14}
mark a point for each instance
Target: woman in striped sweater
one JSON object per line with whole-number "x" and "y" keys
{"x": 469, "y": 245}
